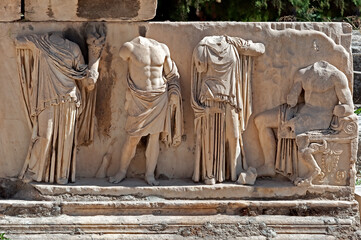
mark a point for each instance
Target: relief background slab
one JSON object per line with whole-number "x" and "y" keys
{"x": 90, "y": 10}
{"x": 10, "y": 10}
{"x": 289, "y": 47}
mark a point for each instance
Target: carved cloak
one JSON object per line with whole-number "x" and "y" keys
{"x": 50, "y": 75}
{"x": 149, "y": 112}
{"x": 231, "y": 83}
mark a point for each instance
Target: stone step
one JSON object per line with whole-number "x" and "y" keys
{"x": 186, "y": 189}
{"x": 161, "y": 237}
{"x": 163, "y": 207}
{"x": 176, "y": 227}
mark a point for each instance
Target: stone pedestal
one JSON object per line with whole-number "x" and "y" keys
{"x": 177, "y": 209}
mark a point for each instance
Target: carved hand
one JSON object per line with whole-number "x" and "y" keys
{"x": 173, "y": 99}
{"x": 95, "y": 38}
{"x": 342, "y": 110}
{"x": 90, "y": 84}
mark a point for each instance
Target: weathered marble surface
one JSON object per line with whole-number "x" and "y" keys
{"x": 90, "y": 10}
{"x": 10, "y": 10}
{"x": 286, "y": 51}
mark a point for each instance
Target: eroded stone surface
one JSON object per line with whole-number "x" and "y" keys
{"x": 178, "y": 227}
{"x": 10, "y": 10}
{"x": 93, "y": 10}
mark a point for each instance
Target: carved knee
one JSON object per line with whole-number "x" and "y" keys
{"x": 259, "y": 122}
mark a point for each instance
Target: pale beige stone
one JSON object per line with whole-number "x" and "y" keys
{"x": 10, "y": 10}
{"x": 90, "y": 10}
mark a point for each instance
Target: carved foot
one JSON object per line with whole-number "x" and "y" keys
{"x": 248, "y": 178}
{"x": 266, "y": 171}
{"x": 28, "y": 177}
{"x": 102, "y": 171}
{"x": 62, "y": 181}
{"x": 151, "y": 181}
{"x": 210, "y": 181}
{"x": 303, "y": 182}
{"x": 117, "y": 178}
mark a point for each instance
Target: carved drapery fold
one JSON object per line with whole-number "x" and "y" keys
{"x": 229, "y": 83}
{"x": 56, "y": 102}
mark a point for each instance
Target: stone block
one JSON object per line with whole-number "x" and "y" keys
{"x": 90, "y": 10}
{"x": 10, "y": 10}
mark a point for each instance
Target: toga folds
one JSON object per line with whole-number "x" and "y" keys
{"x": 221, "y": 75}
{"x": 51, "y": 70}
{"x": 150, "y": 112}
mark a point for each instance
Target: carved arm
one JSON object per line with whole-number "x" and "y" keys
{"x": 345, "y": 108}
{"x": 245, "y": 47}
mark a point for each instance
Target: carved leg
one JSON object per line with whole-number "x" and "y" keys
{"x": 306, "y": 152}
{"x": 151, "y": 155}
{"x": 39, "y": 156}
{"x": 314, "y": 171}
{"x": 128, "y": 152}
{"x": 264, "y": 123}
{"x": 232, "y": 137}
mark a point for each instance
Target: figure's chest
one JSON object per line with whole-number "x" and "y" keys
{"x": 317, "y": 83}
{"x": 152, "y": 56}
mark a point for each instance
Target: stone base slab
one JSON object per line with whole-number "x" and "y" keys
{"x": 186, "y": 189}
{"x": 178, "y": 227}
{"x": 95, "y": 209}
{"x": 179, "y": 207}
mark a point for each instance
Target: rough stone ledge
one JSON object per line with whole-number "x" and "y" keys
{"x": 186, "y": 189}
{"x": 180, "y": 207}
{"x": 160, "y": 236}
{"x": 177, "y": 227}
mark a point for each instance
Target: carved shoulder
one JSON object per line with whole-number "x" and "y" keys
{"x": 126, "y": 50}
{"x": 340, "y": 79}
{"x": 166, "y": 49}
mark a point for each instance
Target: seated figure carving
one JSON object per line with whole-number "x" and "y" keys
{"x": 153, "y": 103}
{"x": 327, "y": 106}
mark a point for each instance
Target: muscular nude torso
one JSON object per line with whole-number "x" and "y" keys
{"x": 147, "y": 61}
{"x": 323, "y": 87}
{"x": 320, "y": 90}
